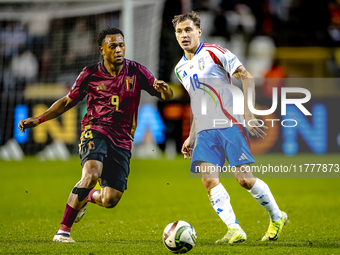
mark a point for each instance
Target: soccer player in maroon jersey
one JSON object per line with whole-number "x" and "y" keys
{"x": 113, "y": 87}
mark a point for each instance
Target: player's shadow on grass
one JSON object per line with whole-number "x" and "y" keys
{"x": 124, "y": 242}
{"x": 307, "y": 243}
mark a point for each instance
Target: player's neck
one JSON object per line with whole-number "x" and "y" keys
{"x": 114, "y": 70}
{"x": 191, "y": 53}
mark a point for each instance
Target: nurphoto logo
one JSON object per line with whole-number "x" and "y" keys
{"x": 238, "y": 104}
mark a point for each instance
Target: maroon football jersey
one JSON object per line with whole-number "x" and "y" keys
{"x": 112, "y": 102}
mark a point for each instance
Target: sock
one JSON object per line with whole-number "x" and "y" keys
{"x": 90, "y": 197}
{"x": 63, "y": 233}
{"x": 220, "y": 201}
{"x": 70, "y": 215}
{"x": 262, "y": 194}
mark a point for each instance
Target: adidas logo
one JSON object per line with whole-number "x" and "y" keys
{"x": 219, "y": 210}
{"x": 101, "y": 86}
{"x": 243, "y": 157}
{"x": 214, "y": 203}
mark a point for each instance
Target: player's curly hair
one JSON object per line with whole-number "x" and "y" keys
{"x": 108, "y": 31}
{"x": 194, "y": 16}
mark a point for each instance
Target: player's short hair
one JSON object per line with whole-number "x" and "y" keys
{"x": 194, "y": 16}
{"x": 108, "y": 31}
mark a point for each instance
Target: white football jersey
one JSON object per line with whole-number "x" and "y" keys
{"x": 207, "y": 78}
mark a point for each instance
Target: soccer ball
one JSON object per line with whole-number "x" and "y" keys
{"x": 179, "y": 237}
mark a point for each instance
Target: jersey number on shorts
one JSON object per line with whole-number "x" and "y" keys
{"x": 115, "y": 101}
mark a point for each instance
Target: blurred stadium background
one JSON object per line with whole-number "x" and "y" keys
{"x": 45, "y": 44}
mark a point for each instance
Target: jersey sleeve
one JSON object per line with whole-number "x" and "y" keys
{"x": 147, "y": 81}
{"x": 224, "y": 58}
{"x": 78, "y": 90}
{"x": 232, "y": 62}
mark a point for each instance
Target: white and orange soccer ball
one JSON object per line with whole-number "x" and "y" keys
{"x": 179, "y": 237}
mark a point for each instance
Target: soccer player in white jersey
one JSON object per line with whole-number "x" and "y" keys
{"x": 205, "y": 71}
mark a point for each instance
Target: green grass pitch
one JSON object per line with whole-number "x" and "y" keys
{"x": 34, "y": 194}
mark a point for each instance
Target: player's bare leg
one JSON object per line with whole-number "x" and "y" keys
{"x": 107, "y": 197}
{"x": 220, "y": 201}
{"x": 244, "y": 176}
{"x": 77, "y": 199}
{"x": 261, "y": 192}
{"x": 91, "y": 172}
{"x": 210, "y": 177}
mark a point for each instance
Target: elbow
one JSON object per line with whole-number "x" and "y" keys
{"x": 68, "y": 102}
{"x": 249, "y": 76}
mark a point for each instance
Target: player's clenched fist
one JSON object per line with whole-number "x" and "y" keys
{"x": 186, "y": 149}
{"x": 160, "y": 86}
{"x": 163, "y": 88}
{"x": 28, "y": 123}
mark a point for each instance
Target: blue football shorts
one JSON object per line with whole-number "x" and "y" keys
{"x": 216, "y": 145}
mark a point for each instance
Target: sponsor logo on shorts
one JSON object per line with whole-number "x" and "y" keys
{"x": 243, "y": 157}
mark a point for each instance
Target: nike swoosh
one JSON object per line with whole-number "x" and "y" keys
{"x": 274, "y": 238}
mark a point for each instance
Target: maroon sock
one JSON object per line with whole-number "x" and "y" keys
{"x": 70, "y": 215}
{"x": 90, "y": 197}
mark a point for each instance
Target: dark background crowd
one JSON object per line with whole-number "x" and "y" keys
{"x": 264, "y": 34}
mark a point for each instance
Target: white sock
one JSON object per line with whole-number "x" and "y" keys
{"x": 262, "y": 194}
{"x": 220, "y": 200}
{"x": 63, "y": 232}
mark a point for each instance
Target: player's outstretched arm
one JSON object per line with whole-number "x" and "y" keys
{"x": 188, "y": 144}
{"x": 248, "y": 82}
{"x": 59, "y": 107}
{"x": 163, "y": 88}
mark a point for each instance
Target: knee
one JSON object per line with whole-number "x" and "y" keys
{"x": 90, "y": 179}
{"x": 110, "y": 201}
{"x": 246, "y": 183}
{"x": 210, "y": 183}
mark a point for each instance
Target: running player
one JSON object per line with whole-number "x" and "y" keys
{"x": 205, "y": 71}
{"x": 113, "y": 87}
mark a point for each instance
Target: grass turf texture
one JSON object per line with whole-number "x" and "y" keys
{"x": 34, "y": 194}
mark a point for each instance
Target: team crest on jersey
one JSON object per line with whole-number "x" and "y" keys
{"x": 201, "y": 63}
{"x": 91, "y": 145}
{"x": 129, "y": 83}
